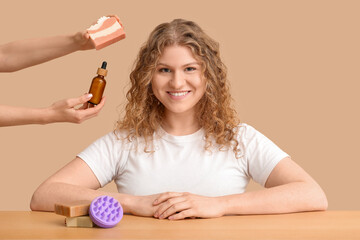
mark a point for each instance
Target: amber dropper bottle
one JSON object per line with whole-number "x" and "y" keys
{"x": 98, "y": 85}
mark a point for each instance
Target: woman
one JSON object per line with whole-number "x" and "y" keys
{"x": 180, "y": 151}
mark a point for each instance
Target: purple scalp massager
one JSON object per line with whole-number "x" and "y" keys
{"x": 105, "y": 211}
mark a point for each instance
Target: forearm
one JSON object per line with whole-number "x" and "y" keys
{"x": 48, "y": 194}
{"x": 12, "y": 116}
{"x": 291, "y": 197}
{"x": 25, "y": 53}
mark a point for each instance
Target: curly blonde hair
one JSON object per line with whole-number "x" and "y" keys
{"x": 144, "y": 113}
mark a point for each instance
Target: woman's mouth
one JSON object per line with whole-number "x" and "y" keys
{"x": 178, "y": 94}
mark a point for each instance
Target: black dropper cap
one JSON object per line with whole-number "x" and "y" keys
{"x": 103, "y": 66}
{"x": 102, "y": 71}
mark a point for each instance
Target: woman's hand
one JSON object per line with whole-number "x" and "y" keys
{"x": 143, "y": 205}
{"x": 83, "y": 41}
{"x": 175, "y": 206}
{"x": 65, "y": 111}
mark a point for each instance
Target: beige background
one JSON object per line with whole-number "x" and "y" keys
{"x": 293, "y": 66}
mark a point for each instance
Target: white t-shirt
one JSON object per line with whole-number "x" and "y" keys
{"x": 181, "y": 164}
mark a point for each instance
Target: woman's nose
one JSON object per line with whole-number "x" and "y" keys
{"x": 177, "y": 80}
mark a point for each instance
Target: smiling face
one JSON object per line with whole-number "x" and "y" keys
{"x": 177, "y": 82}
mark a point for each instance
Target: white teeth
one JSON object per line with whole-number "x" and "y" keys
{"x": 178, "y": 94}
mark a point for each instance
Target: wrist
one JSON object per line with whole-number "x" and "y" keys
{"x": 236, "y": 204}
{"x": 77, "y": 41}
{"x": 224, "y": 205}
{"x": 126, "y": 202}
{"x": 47, "y": 116}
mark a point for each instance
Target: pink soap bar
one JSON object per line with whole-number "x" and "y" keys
{"x": 108, "y": 30}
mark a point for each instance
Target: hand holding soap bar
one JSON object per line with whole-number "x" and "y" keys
{"x": 106, "y": 31}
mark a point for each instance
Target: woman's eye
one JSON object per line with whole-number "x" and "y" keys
{"x": 164, "y": 70}
{"x": 189, "y": 69}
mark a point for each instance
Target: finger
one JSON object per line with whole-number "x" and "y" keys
{"x": 80, "y": 100}
{"x": 92, "y": 111}
{"x": 175, "y": 208}
{"x": 85, "y": 35}
{"x": 86, "y": 40}
{"x": 182, "y": 215}
{"x": 99, "y": 106}
{"x": 84, "y": 106}
{"x": 170, "y": 207}
{"x": 165, "y": 196}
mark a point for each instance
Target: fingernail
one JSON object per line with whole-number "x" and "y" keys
{"x": 155, "y": 202}
{"x": 89, "y": 95}
{"x": 171, "y": 217}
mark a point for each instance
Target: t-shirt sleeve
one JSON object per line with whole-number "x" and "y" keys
{"x": 262, "y": 155}
{"x": 104, "y": 158}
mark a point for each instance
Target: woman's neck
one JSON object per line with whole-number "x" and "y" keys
{"x": 180, "y": 124}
